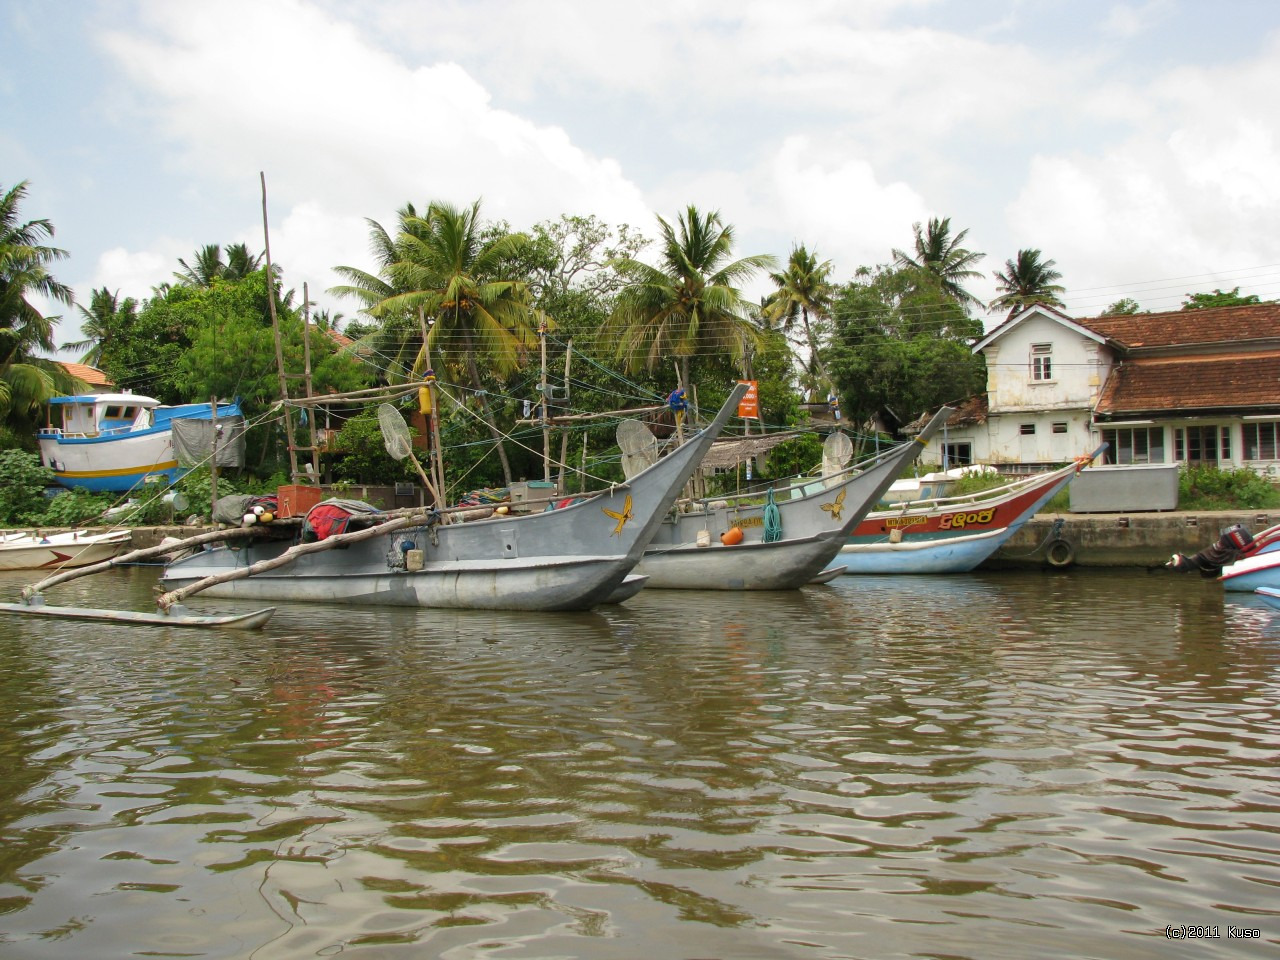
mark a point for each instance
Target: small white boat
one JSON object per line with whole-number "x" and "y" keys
{"x": 111, "y": 442}
{"x": 78, "y": 548}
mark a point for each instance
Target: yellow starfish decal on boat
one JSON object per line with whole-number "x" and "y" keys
{"x": 834, "y": 508}
{"x": 622, "y": 516}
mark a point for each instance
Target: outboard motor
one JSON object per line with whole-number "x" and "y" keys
{"x": 1235, "y": 542}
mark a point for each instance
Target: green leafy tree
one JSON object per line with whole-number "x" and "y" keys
{"x": 362, "y": 455}
{"x": 691, "y": 302}
{"x": 1027, "y": 280}
{"x": 27, "y": 379}
{"x": 902, "y": 342}
{"x": 940, "y": 255}
{"x": 1206, "y": 301}
{"x": 804, "y": 293}
{"x": 1125, "y": 307}
{"x": 230, "y": 350}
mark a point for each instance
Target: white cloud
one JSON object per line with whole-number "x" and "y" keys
{"x": 1192, "y": 197}
{"x": 837, "y": 205}
{"x": 344, "y": 130}
{"x": 1125, "y": 20}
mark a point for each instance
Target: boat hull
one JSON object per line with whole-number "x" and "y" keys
{"x": 950, "y": 555}
{"x": 1270, "y": 596}
{"x": 61, "y": 550}
{"x": 112, "y": 464}
{"x": 543, "y": 584}
{"x": 782, "y": 565}
{"x": 1247, "y": 575}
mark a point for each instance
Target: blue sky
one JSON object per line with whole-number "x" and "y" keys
{"x": 1136, "y": 144}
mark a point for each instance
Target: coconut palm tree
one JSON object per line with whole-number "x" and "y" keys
{"x": 396, "y": 340}
{"x": 690, "y": 303}
{"x": 448, "y": 266}
{"x": 1027, "y": 280}
{"x": 208, "y": 265}
{"x": 941, "y": 255}
{"x": 105, "y": 319}
{"x": 804, "y": 293}
{"x": 27, "y": 380}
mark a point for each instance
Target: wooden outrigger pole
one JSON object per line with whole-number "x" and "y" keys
{"x": 166, "y": 600}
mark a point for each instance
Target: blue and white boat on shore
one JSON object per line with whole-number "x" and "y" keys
{"x": 112, "y": 442}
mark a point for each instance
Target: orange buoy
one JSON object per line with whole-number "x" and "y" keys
{"x": 731, "y": 537}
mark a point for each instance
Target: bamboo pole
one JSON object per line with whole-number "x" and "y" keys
{"x": 390, "y": 393}
{"x": 213, "y": 454}
{"x": 436, "y": 457}
{"x": 605, "y": 415}
{"x": 275, "y": 330}
{"x": 543, "y": 387}
{"x": 166, "y": 600}
{"x": 564, "y": 434}
{"x": 145, "y": 553}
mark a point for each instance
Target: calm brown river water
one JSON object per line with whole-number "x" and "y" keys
{"x": 989, "y": 766}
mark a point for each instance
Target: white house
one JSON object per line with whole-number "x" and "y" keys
{"x": 1192, "y": 386}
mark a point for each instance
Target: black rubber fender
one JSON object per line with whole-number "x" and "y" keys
{"x": 1060, "y": 553}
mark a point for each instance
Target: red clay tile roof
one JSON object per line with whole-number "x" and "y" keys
{"x": 338, "y": 337}
{"x": 1235, "y": 383}
{"x": 969, "y": 412}
{"x": 90, "y": 375}
{"x": 1185, "y": 327}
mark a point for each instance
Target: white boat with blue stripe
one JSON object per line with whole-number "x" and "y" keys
{"x": 112, "y": 442}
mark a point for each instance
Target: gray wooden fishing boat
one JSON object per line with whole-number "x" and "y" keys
{"x": 570, "y": 558}
{"x": 773, "y": 546}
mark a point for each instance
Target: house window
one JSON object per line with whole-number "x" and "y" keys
{"x": 1135, "y": 444}
{"x": 958, "y": 454}
{"x": 1202, "y": 444}
{"x": 1027, "y": 429}
{"x": 1260, "y": 441}
{"x": 1059, "y": 427}
{"x": 1041, "y": 361}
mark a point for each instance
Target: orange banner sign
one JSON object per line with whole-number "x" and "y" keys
{"x": 749, "y": 405}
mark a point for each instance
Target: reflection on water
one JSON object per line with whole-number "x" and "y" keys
{"x": 980, "y": 766}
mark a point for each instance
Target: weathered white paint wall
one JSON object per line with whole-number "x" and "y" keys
{"x": 1080, "y": 365}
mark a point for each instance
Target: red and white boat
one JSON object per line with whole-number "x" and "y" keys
{"x": 951, "y": 534}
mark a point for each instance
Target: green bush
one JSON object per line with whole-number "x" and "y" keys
{"x": 363, "y": 457}
{"x": 76, "y": 508}
{"x": 1202, "y": 487}
{"x": 22, "y": 483}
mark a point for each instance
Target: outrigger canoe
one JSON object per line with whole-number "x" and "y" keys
{"x": 176, "y": 616}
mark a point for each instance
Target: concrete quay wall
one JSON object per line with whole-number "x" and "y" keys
{"x": 1122, "y": 539}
